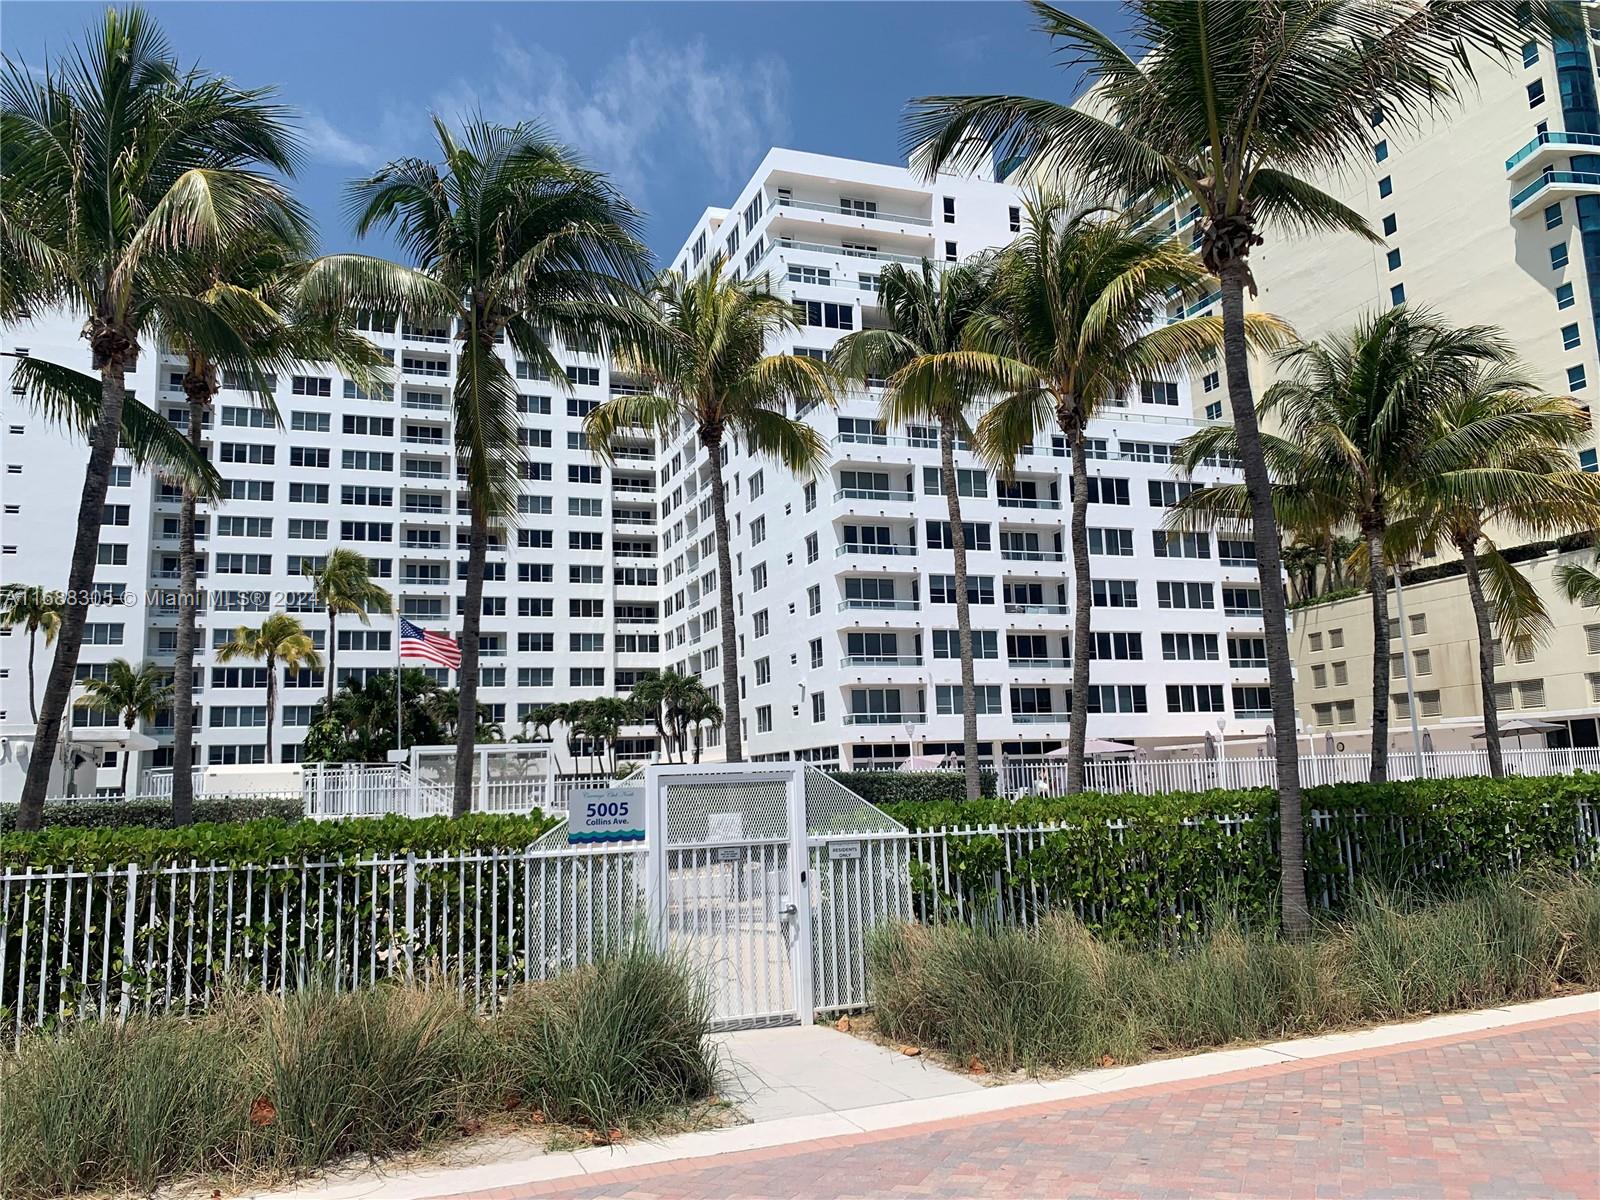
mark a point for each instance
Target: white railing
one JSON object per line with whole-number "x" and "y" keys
{"x": 1152, "y": 776}
{"x": 79, "y": 944}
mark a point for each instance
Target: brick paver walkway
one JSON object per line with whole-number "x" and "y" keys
{"x": 1495, "y": 1115}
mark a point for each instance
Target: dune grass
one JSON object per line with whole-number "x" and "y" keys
{"x": 268, "y": 1086}
{"x": 1057, "y": 997}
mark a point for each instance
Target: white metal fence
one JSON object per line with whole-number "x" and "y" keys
{"x": 1152, "y": 776}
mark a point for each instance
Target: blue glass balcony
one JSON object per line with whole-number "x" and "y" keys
{"x": 1555, "y": 185}
{"x": 1545, "y": 140}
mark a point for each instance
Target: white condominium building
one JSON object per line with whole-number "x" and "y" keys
{"x": 844, "y": 582}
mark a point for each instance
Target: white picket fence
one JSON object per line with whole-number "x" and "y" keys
{"x": 1153, "y": 776}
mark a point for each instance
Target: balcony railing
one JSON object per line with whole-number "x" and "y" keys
{"x": 881, "y": 660}
{"x": 872, "y": 494}
{"x": 1036, "y": 610}
{"x": 1549, "y": 138}
{"x": 1038, "y": 718}
{"x": 868, "y": 605}
{"x": 1033, "y": 555}
{"x": 886, "y": 718}
{"x": 875, "y": 215}
{"x": 1584, "y": 179}
{"x": 876, "y": 255}
{"x": 873, "y": 548}
{"x": 1040, "y": 664}
{"x": 1027, "y": 502}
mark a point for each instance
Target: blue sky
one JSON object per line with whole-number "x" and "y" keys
{"x": 678, "y": 101}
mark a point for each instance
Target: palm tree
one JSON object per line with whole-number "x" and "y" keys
{"x": 32, "y": 609}
{"x": 1580, "y": 584}
{"x": 1072, "y": 326}
{"x": 359, "y": 722}
{"x": 1353, "y": 413}
{"x": 246, "y": 309}
{"x": 343, "y": 583}
{"x": 1230, "y": 107}
{"x": 1498, "y": 457}
{"x": 531, "y": 245}
{"x": 704, "y": 362}
{"x": 700, "y": 710}
{"x": 661, "y": 698}
{"x": 927, "y": 377}
{"x": 278, "y": 639}
{"x": 118, "y": 162}
{"x": 128, "y": 692}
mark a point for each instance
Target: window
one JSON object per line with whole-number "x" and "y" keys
{"x": 947, "y": 643}
{"x": 1385, "y": 186}
{"x": 1159, "y": 392}
{"x": 1570, "y": 337}
{"x": 1014, "y": 218}
{"x": 949, "y": 700}
{"x": 1530, "y": 53}
{"x": 1335, "y": 639}
{"x": 1536, "y": 93}
{"x": 819, "y": 708}
{"x": 825, "y": 314}
{"x": 1316, "y": 642}
{"x": 1114, "y": 543}
{"x": 112, "y": 554}
{"x": 1589, "y": 460}
{"x": 1114, "y": 593}
{"x": 1194, "y": 697}
{"x": 942, "y": 589}
{"x": 949, "y": 210}
{"x": 813, "y": 549}
{"x": 1165, "y": 493}
{"x": 1184, "y": 594}
{"x": 1189, "y": 647}
{"x": 1181, "y": 545}
{"x": 1117, "y": 698}
{"x": 1576, "y": 379}
{"x": 976, "y": 535}
{"x": 587, "y": 677}
{"x": 1252, "y": 702}
{"x": 1214, "y": 411}
{"x": 1552, "y": 216}
{"x": 813, "y": 600}
{"x": 1120, "y": 647}
{"x": 1397, "y": 294}
{"x": 758, "y": 577}
{"x": 811, "y": 496}
{"x": 1235, "y": 553}
{"x": 1565, "y": 297}
{"x": 1247, "y": 653}
{"x": 1394, "y": 260}
{"x": 762, "y": 623}
{"x": 584, "y": 376}
{"x": 1380, "y": 151}
{"x": 1108, "y": 491}
{"x": 1211, "y": 381}
{"x": 969, "y": 481}
{"x": 311, "y": 385}
{"x": 1558, "y": 256}
{"x": 950, "y": 252}
{"x": 1241, "y": 601}
{"x": 1390, "y": 225}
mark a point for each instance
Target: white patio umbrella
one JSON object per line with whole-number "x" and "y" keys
{"x": 1519, "y": 726}
{"x": 1094, "y": 746}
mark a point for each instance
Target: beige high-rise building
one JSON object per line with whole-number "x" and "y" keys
{"x": 1488, "y": 214}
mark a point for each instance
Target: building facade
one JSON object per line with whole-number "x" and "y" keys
{"x": 844, "y": 583}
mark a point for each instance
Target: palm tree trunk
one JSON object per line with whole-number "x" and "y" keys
{"x": 958, "y": 543}
{"x": 1274, "y": 612}
{"x": 732, "y": 740}
{"x": 127, "y": 754}
{"x": 1082, "y": 608}
{"x": 1378, "y": 589}
{"x": 184, "y": 648}
{"x": 80, "y": 582}
{"x": 33, "y": 699}
{"x": 333, "y": 651}
{"x": 272, "y": 704}
{"x": 1480, "y": 615}
{"x": 467, "y": 675}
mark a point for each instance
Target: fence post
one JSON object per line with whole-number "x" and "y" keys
{"x": 411, "y": 908}
{"x": 129, "y": 916}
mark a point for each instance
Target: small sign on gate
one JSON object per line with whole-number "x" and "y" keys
{"x": 842, "y": 850}
{"x": 606, "y": 815}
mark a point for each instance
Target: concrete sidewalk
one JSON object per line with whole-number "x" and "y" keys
{"x": 819, "y": 1070}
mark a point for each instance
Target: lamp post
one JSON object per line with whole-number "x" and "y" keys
{"x": 1222, "y": 751}
{"x": 1405, "y": 661}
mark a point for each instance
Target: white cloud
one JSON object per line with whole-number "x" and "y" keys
{"x": 654, "y": 107}
{"x": 328, "y": 144}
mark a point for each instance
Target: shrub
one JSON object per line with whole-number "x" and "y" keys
{"x": 1054, "y": 995}
{"x": 623, "y": 1039}
{"x": 267, "y": 1085}
{"x": 155, "y": 814}
{"x": 266, "y": 841}
{"x": 913, "y": 788}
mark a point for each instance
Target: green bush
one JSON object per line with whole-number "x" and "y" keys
{"x": 265, "y": 1086}
{"x": 154, "y": 814}
{"x": 913, "y": 787}
{"x": 1056, "y": 996}
{"x": 1151, "y": 874}
{"x": 267, "y": 841}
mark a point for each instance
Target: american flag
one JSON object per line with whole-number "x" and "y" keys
{"x": 417, "y": 642}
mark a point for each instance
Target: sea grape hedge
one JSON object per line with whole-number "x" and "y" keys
{"x": 913, "y": 787}
{"x": 1148, "y": 866}
{"x": 271, "y": 841}
{"x": 155, "y": 814}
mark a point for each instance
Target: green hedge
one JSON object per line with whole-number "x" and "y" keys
{"x": 1168, "y": 859}
{"x": 267, "y": 841}
{"x": 913, "y": 787}
{"x": 154, "y": 814}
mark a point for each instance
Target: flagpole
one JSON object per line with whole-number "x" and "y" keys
{"x": 397, "y": 714}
